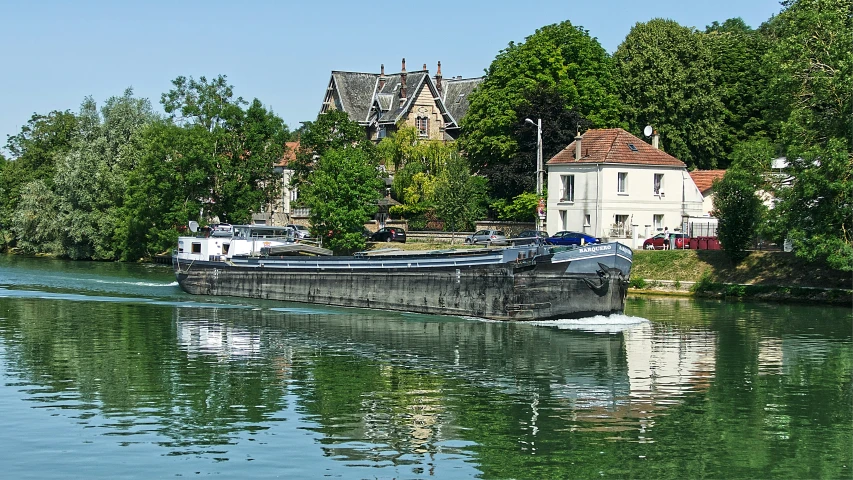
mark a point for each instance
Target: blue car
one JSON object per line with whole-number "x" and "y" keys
{"x": 572, "y": 238}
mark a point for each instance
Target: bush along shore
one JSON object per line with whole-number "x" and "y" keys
{"x": 766, "y": 276}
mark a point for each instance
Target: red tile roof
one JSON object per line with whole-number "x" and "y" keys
{"x": 289, "y": 155}
{"x": 612, "y": 145}
{"x": 704, "y": 178}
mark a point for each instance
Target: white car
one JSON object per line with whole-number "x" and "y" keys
{"x": 300, "y": 231}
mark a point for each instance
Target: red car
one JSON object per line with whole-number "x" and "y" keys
{"x": 661, "y": 241}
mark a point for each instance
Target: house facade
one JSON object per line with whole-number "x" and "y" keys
{"x": 613, "y": 185}
{"x": 704, "y": 180}
{"x": 380, "y": 102}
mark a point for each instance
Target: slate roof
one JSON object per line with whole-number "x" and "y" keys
{"x": 613, "y": 145}
{"x": 360, "y": 96}
{"x": 456, "y": 95}
{"x": 704, "y": 178}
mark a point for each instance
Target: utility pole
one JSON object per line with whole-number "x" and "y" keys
{"x": 540, "y": 210}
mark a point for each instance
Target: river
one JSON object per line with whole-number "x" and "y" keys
{"x": 111, "y": 371}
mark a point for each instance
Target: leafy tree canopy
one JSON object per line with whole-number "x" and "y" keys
{"x": 816, "y": 210}
{"x": 342, "y": 193}
{"x": 331, "y": 130}
{"x": 737, "y": 51}
{"x": 460, "y": 197}
{"x": 810, "y": 67}
{"x": 559, "y": 58}
{"x": 667, "y": 80}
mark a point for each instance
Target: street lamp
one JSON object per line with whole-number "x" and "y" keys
{"x": 539, "y": 169}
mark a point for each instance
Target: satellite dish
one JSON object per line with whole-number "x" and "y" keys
{"x": 647, "y": 131}
{"x": 193, "y": 226}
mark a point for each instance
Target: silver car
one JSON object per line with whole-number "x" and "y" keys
{"x": 489, "y": 237}
{"x": 300, "y": 231}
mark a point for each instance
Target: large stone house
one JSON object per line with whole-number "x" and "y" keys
{"x": 613, "y": 185}
{"x": 380, "y": 102}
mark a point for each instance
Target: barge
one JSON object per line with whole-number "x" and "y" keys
{"x": 526, "y": 280}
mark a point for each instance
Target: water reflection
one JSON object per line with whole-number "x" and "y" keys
{"x": 672, "y": 388}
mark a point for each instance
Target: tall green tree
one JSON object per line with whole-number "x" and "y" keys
{"x": 36, "y": 229}
{"x": 331, "y": 130}
{"x": 737, "y": 51}
{"x": 810, "y": 68}
{"x": 169, "y": 186}
{"x": 245, "y": 144}
{"x": 667, "y": 79}
{"x": 737, "y": 204}
{"x": 34, "y": 151}
{"x": 560, "y": 58}
{"x": 91, "y": 179}
{"x": 342, "y": 193}
{"x": 460, "y": 198}
{"x": 560, "y": 124}
{"x": 816, "y": 210}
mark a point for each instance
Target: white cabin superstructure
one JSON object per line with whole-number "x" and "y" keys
{"x": 243, "y": 240}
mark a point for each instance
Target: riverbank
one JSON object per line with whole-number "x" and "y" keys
{"x": 774, "y": 276}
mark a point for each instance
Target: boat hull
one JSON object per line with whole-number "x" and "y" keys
{"x": 507, "y": 284}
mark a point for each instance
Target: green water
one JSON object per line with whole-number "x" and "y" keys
{"x": 110, "y": 371}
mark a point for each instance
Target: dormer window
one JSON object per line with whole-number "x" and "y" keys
{"x": 422, "y": 124}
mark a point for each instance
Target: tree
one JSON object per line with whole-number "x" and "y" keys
{"x": 36, "y": 229}
{"x": 736, "y": 52}
{"x": 738, "y": 210}
{"x": 33, "y": 155}
{"x": 816, "y": 210}
{"x": 810, "y": 68}
{"x": 170, "y": 184}
{"x": 667, "y": 80}
{"x": 91, "y": 178}
{"x": 562, "y": 59}
{"x": 245, "y": 144}
{"x": 560, "y": 124}
{"x": 331, "y": 130}
{"x": 522, "y": 208}
{"x": 460, "y": 197}
{"x": 342, "y": 192}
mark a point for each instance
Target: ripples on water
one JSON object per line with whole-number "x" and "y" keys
{"x": 110, "y": 370}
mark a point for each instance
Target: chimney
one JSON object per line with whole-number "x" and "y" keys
{"x": 438, "y": 79}
{"x": 403, "y": 82}
{"x": 578, "y": 139}
{"x": 655, "y": 139}
{"x": 381, "y": 76}
{"x": 425, "y": 67}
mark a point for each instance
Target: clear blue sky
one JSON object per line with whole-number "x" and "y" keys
{"x": 54, "y": 53}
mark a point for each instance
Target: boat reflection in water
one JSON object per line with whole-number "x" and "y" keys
{"x": 418, "y": 374}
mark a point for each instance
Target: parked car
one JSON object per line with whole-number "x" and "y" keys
{"x": 300, "y": 231}
{"x": 661, "y": 241}
{"x": 572, "y": 238}
{"x": 489, "y": 237}
{"x": 531, "y": 234}
{"x": 389, "y": 234}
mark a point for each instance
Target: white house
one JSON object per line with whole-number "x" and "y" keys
{"x": 704, "y": 180}
{"x": 613, "y": 185}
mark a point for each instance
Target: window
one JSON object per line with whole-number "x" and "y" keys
{"x": 563, "y": 220}
{"x": 586, "y": 220}
{"x": 622, "y": 220}
{"x": 422, "y": 124}
{"x": 383, "y": 132}
{"x": 658, "y": 222}
{"x": 196, "y": 247}
{"x": 622, "y": 182}
{"x": 658, "y": 185}
{"x": 632, "y": 147}
{"x": 567, "y": 188}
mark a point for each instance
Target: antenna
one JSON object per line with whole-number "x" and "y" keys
{"x": 647, "y": 131}
{"x": 193, "y": 226}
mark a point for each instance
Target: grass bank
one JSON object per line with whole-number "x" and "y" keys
{"x": 776, "y": 276}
